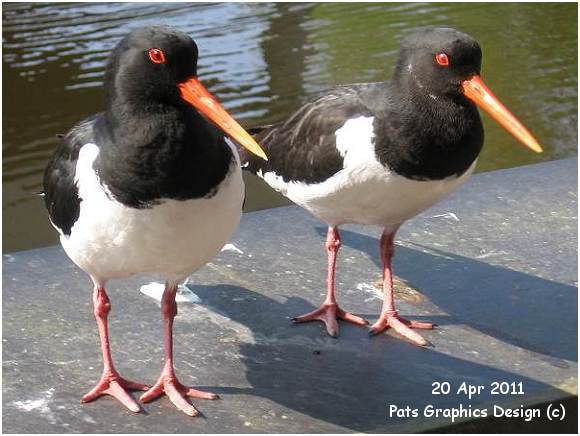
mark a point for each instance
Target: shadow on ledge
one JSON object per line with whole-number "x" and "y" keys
{"x": 521, "y": 309}
{"x": 349, "y": 382}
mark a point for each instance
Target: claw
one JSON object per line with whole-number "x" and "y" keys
{"x": 116, "y": 387}
{"x": 329, "y": 313}
{"x": 177, "y": 393}
{"x": 402, "y": 326}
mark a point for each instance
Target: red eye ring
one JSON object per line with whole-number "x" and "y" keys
{"x": 156, "y": 55}
{"x": 442, "y": 59}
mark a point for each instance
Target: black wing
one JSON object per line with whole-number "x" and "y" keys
{"x": 60, "y": 191}
{"x": 303, "y": 148}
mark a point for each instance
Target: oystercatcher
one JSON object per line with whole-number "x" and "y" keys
{"x": 380, "y": 153}
{"x": 148, "y": 186}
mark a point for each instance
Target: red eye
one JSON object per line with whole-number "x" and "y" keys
{"x": 156, "y": 55}
{"x": 442, "y": 59}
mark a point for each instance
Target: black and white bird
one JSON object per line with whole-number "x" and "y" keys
{"x": 148, "y": 186}
{"x": 380, "y": 153}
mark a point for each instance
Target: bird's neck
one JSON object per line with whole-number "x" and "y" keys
{"x": 161, "y": 151}
{"x": 138, "y": 121}
{"x": 426, "y": 136}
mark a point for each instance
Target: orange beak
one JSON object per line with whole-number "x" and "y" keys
{"x": 475, "y": 90}
{"x": 199, "y": 97}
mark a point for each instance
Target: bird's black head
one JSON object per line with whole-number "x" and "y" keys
{"x": 154, "y": 69}
{"x": 434, "y": 61}
{"x": 148, "y": 64}
{"x": 442, "y": 66}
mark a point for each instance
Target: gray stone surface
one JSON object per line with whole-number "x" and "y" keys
{"x": 494, "y": 265}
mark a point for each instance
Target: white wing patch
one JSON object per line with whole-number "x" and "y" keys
{"x": 86, "y": 180}
{"x": 354, "y": 141}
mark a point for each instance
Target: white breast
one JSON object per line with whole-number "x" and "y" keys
{"x": 172, "y": 239}
{"x": 364, "y": 191}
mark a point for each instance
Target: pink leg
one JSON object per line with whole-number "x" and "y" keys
{"x": 111, "y": 383}
{"x": 389, "y": 316}
{"x": 167, "y": 383}
{"x": 329, "y": 311}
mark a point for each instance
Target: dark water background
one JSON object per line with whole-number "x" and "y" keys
{"x": 262, "y": 60}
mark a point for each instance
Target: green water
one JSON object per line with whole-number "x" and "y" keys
{"x": 262, "y": 60}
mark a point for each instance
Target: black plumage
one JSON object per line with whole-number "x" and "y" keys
{"x": 173, "y": 154}
{"x": 302, "y": 148}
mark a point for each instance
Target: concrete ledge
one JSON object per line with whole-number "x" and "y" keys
{"x": 495, "y": 265}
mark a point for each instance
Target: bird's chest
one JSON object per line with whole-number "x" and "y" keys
{"x": 434, "y": 145}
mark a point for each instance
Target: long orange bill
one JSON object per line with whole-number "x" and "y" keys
{"x": 475, "y": 90}
{"x": 197, "y": 95}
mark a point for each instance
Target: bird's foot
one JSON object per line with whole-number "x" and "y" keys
{"x": 113, "y": 384}
{"x": 170, "y": 386}
{"x": 329, "y": 313}
{"x": 402, "y": 326}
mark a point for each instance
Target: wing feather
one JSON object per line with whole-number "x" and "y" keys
{"x": 303, "y": 147}
{"x": 60, "y": 191}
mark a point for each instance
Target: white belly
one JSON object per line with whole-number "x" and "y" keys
{"x": 171, "y": 239}
{"x": 364, "y": 191}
